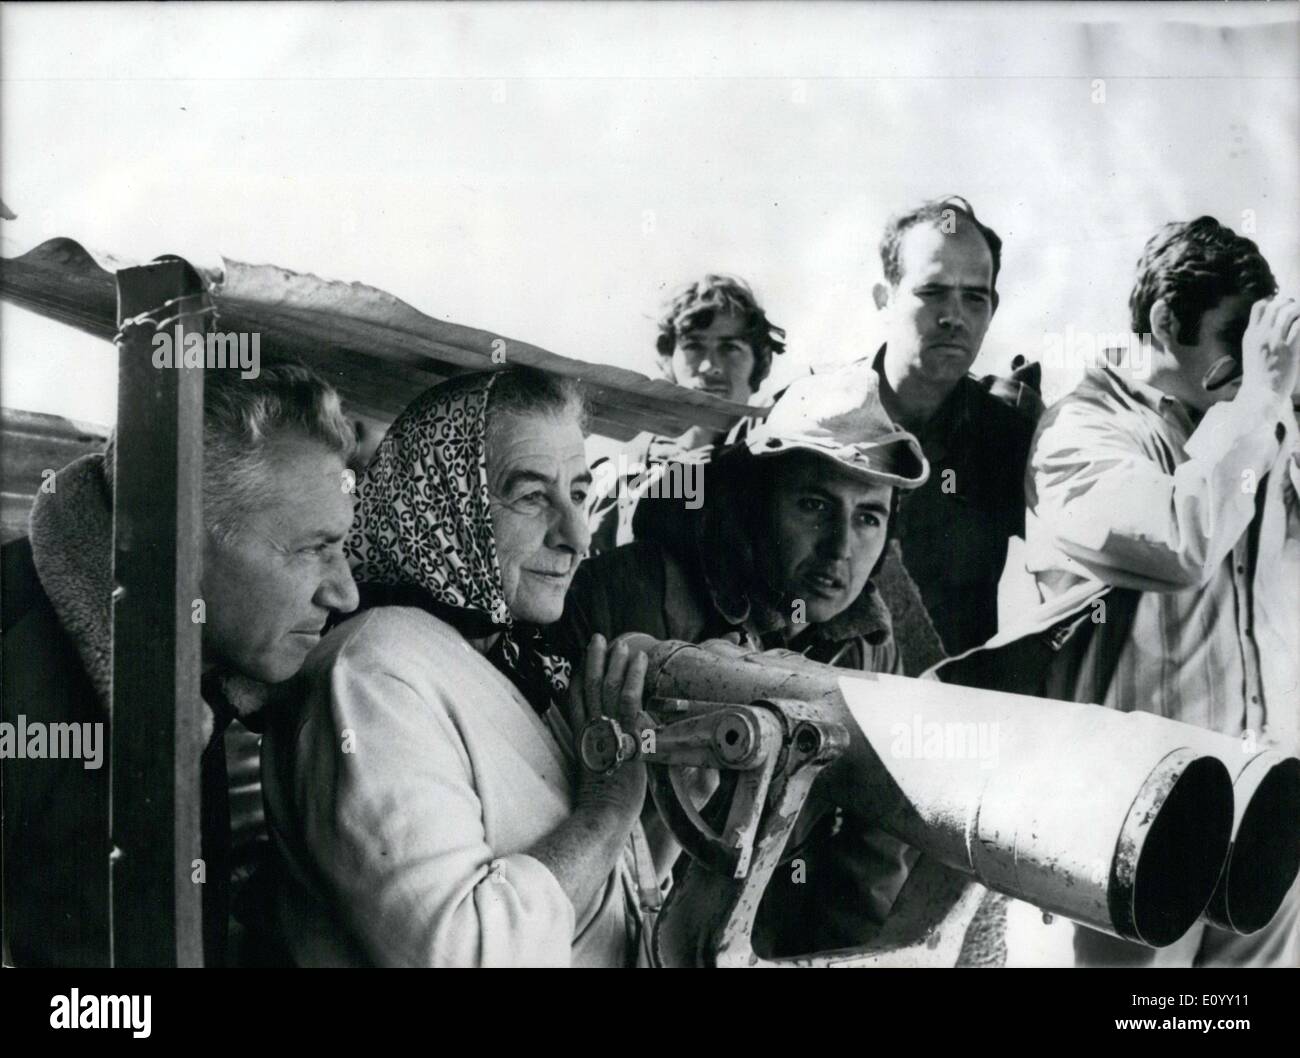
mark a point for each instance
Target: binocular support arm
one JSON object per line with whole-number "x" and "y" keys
{"x": 770, "y": 752}
{"x": 751, "y": 744}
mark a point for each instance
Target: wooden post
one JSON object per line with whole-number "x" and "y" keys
{"x": 157, "y": 709}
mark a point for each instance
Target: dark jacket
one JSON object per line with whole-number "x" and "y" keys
{"x": 643, "y": 587}
{"x": 840, "y": 879}
{"x": 955, "y": 529}
{"x": 55, "y": 859}
{"x": 617, "y": 511}
{"x": 716, "y": 554}
{"x": 57, "y": 656}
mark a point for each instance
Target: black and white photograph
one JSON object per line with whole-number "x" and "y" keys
{"x": 651, "y": 485}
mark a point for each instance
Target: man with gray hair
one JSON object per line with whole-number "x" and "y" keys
{"x": 276, "y": 506}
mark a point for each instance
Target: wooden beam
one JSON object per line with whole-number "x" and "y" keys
{"x": 156, "y": 710}
{"x": 377, "y": 350}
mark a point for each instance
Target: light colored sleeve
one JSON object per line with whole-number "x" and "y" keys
{"x": 1290, "y": 458}
{"x": 1115, "y": 510}
{"x": 385, "y": 792}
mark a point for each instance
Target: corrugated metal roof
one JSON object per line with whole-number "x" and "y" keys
{"x": 379, "y": 351}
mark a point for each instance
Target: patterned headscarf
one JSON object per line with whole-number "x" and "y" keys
{"x": 423, "y": 535}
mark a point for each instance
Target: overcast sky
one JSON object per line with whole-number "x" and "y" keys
{"x": 550, "y": 171}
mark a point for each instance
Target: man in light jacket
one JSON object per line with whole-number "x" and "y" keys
{"x": 1176, "y": 487}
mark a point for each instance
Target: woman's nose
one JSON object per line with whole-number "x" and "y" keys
{"x": 570, "y": 530}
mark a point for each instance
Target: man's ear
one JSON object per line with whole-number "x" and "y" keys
{"x": 1164, "y": 328}
{"x": 880, "y": 295}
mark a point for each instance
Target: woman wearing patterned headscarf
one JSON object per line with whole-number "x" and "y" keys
{"x": 424, "y": 797}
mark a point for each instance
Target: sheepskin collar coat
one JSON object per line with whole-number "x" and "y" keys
{"x": 58, "y": 668}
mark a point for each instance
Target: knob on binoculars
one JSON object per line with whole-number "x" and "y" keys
{"x": 605, "y": 745}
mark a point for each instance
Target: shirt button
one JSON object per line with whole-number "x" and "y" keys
{"x": 1254, "y": 699}
{"x": 1241, "y": 569}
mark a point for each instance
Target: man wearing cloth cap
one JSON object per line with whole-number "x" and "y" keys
{"x": 794, "y": 524}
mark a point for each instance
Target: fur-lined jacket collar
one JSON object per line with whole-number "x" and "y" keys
{"x": 71, "y": 532}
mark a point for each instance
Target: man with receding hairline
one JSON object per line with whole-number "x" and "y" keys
{"x": 939, "y": 295}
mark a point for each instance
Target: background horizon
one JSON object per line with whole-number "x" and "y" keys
{"x": 554, "y": 172}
